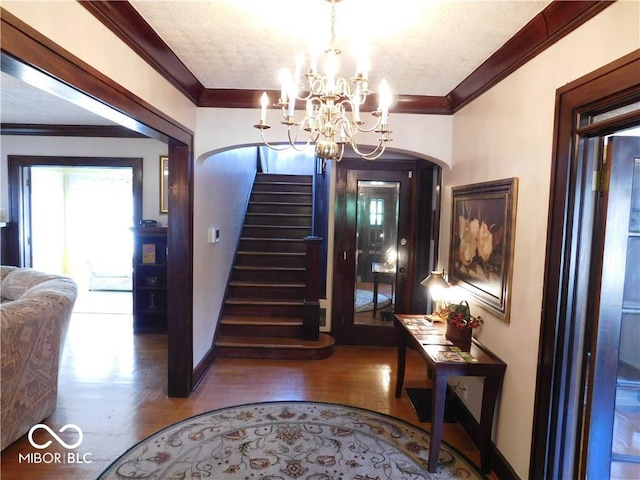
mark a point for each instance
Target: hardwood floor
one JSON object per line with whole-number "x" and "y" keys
{"x": 113, "y": 386}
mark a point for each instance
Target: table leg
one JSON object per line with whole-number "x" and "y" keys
{"x": 489, "y": 397}
{"x": 375, "y": 294}
{"x": 437, "y": 418}
{"x": 402, "y": 360}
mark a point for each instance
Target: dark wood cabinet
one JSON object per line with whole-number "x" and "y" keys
{"x": 150, "y": 280}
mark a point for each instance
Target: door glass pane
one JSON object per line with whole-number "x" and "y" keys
{"x": 376, "y": 247}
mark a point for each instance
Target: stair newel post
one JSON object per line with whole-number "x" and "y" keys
{"x": 311, "y": 307}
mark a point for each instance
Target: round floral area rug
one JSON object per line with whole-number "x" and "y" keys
{"x": 289, "y": 441}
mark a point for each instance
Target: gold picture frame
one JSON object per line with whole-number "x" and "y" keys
{"x": 483, "y": 217}
{"x": 164, "y": 184}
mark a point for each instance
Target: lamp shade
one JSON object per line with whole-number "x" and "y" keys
{"x": 435, "y": 283}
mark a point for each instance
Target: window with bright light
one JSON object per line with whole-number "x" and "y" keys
{"x": 376, "y": 211}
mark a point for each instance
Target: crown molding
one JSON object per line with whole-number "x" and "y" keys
{"x": 125, "y": 21}
{"x": 558, "y": 19}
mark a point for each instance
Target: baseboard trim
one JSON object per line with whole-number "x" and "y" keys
{"x": 203, "y": 367}
{"x": 499, "y": 465}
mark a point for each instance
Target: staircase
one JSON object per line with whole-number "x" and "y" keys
{"x": 264, "y": 305}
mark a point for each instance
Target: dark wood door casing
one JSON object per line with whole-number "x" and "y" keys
{"x": 420, "y": 208}
{"x": 25, "y": 52}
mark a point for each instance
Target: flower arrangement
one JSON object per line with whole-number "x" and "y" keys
{"x": 459, "y": 316}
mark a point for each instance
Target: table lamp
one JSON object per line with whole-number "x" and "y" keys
{"x": 436, "y": 285}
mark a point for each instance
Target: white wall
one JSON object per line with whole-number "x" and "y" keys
{"x": 508, "y": 132}
{"x": 147, "y": 149}
{"x": 222, "y": 186}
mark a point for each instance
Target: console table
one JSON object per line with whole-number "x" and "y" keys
{"x": 443, "y": 361}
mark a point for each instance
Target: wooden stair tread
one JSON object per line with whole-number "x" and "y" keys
{"x": 272, "y": 254}
{"x": 304, "y": 204}
{"x": 248, "y": 267}
{"x": 278, "y": 214}
{"x": 262, "y": 301}
{"x": 259, "y": 320}
{"x": 254, "y": 283}
{"x": 280, "y": 227}
{"x": 280, "y": 182}
{"x": 324, "y": 341}
{"x": 271, "y": 239}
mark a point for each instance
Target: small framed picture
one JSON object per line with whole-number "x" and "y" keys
{"x": 164, "y": 184}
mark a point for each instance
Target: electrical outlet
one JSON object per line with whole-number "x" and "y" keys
{"x": 464, "y": 390}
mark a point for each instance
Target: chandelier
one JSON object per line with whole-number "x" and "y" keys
{"x": 332, "y": 106}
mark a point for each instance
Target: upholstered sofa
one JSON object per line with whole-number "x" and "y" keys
{"x": 35, "y": 310}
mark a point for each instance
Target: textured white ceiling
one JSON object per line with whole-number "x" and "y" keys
{"x": 24, "y": 103}
{"x": 421, "y": 47}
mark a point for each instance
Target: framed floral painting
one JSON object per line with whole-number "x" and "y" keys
{"x": 482, "y": 239}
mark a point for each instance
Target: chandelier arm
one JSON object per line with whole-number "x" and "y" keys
{"x": 308, "y": 96}
{"x": 273, "y": 147}
{"x": 294, "y": 140}
{"x": 367, "y": 130}
{"x": 359, "y": 125}
{"x": 373, "y": 154}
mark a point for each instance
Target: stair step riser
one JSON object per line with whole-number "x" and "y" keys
{"x": 283, "y": 177}
{"x": 264, "y": 310}
{"x": 271, "y": 292}
{"x": 283, "y": 220}
{"x": 268, "y": 245}
{"x": 269, "y": 231}
{"x": 257, "y": 207}
{"x": 264, "y": 260}
{"x": 273, "y": 276}
{"x": 282, "y": 187}
{"x": 278, "y": 331}
{"x": 280, "y": 197}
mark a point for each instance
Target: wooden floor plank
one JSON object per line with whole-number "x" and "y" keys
{"x": 113, "y": 386}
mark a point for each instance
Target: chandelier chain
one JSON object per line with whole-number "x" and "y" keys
{"x": 333, "y": 27}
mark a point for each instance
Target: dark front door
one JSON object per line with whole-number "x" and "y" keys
{"x": 372, "y": 256}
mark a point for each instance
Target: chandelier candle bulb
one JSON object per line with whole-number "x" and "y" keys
{"x": 356, "y": 106}
{"x": 385, "y": 100}
{"x": 264, "y": 102}
{"x": 292, "y": 99}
